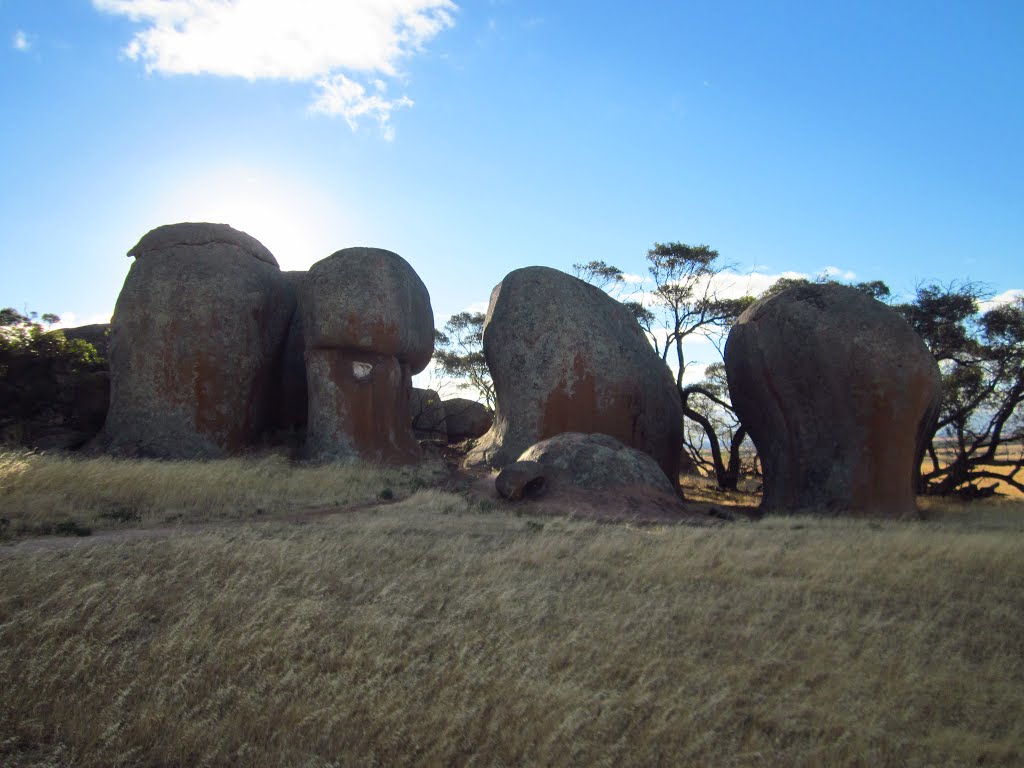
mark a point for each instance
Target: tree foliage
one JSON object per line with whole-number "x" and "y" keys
{"x": 36, "y": 365}
{"x": 459, "y": 354}
{"x": 980, "y": 428}
{"x": 688, "y": 299}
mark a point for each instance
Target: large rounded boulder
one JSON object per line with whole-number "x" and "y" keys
{"x": 837, "y": 392}
{"x": 428, "y": 416}
{"x": 368, "y": 327}
{"x": 195, "y": 342}
{"x": 566, "y": 357}
{"x": 466, "y": 419}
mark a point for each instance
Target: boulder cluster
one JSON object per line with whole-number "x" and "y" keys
{"x": 213, "y": 350}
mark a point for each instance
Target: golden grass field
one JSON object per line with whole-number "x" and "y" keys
{"x": 436, "y": 629}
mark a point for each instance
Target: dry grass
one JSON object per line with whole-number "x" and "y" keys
{"x": 41, "y": 494}
{"x": 434, "y": 632}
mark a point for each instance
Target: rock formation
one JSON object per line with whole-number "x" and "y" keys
{"x": 466, "y": 419}
{"x": 428, "y": 415}
{"x": 368, "y": 327}
{"x": 836, "y": 391}
{"x": 195, "y": 342}
{"x": 566, "y": 357}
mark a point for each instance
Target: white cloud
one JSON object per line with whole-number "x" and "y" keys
{"x": 837, "y": 273}
{"x": 73, "y": 319}
{"x": 346, "y": 98}
{"x": 21, "y": 41}
{"x": 1006, "y": 297}
{"x": 325, "y": 42}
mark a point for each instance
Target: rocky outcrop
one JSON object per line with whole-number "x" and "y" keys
{"x": 566, "y": 357}
{"x": 428, "y": 415}
{"x": 195, "y": 343}
{"x": 368, "y": 327}
{"x": 837, "y": 392}
{"x": 466, "y": 419}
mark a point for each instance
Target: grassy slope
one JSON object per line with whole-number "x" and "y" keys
{"x": 432, "y": 631}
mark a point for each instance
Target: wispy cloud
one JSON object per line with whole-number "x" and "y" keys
{"x": 835, "y": 273}
{"x": 342, "y": 48}
{"x": 342, "y": 96}
{"x": 21, "y": 41}
{"x": 1006, "y": 297}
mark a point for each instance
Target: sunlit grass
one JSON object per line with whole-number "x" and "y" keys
{"x": 67, "y": 494}
{"x": 437, "y": 632}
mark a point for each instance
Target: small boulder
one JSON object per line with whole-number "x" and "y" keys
{"x": 466, "y": 419}
{"x": 566, "y": 357}
{"x": 595, "y": 476}
{"x": 596, "y": 462}
{"x": 837, "y": 392}
{"x": 368, "y": 327}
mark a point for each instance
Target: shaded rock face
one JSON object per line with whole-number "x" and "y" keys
{"x": 428, "y": 415}
{"x": 466, "y": 419}
{"x": 195, "y": 343}
{"x": 520, "y": 479}
{"x": 566, "y": 357}
{"x": 837, "y": 392}
{"x": 596, "y": 462}
{"x": 368, "y": 327}
{"x": 292, "y": 396}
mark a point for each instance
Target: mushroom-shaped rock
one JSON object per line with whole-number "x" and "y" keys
{"x": 368, "y": 327}
{"x": 466, "y": 418}
{"x": 566, "y": 357}
{"x": 195, "y": 340}
{"x": 426, "y": 410}
{"x": 837, "y": 392}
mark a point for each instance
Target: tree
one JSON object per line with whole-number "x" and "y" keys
{"x": 688, "y": 300}
{"x": 37, "y": 365}
{"x": 459, "y": 353}
{"x": 981, "y": 420}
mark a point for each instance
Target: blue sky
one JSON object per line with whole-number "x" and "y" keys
{"x": 883, "y": 140}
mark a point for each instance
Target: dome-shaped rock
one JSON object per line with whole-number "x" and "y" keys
{"x": 195, "y": 340}
{"x": 566, "y": 357}
{"x": 837, "y": 392}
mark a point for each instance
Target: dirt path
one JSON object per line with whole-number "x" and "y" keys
{"x": 127, "y": 535}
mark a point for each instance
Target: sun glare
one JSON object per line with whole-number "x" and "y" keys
{"x": 288, "y": 217}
